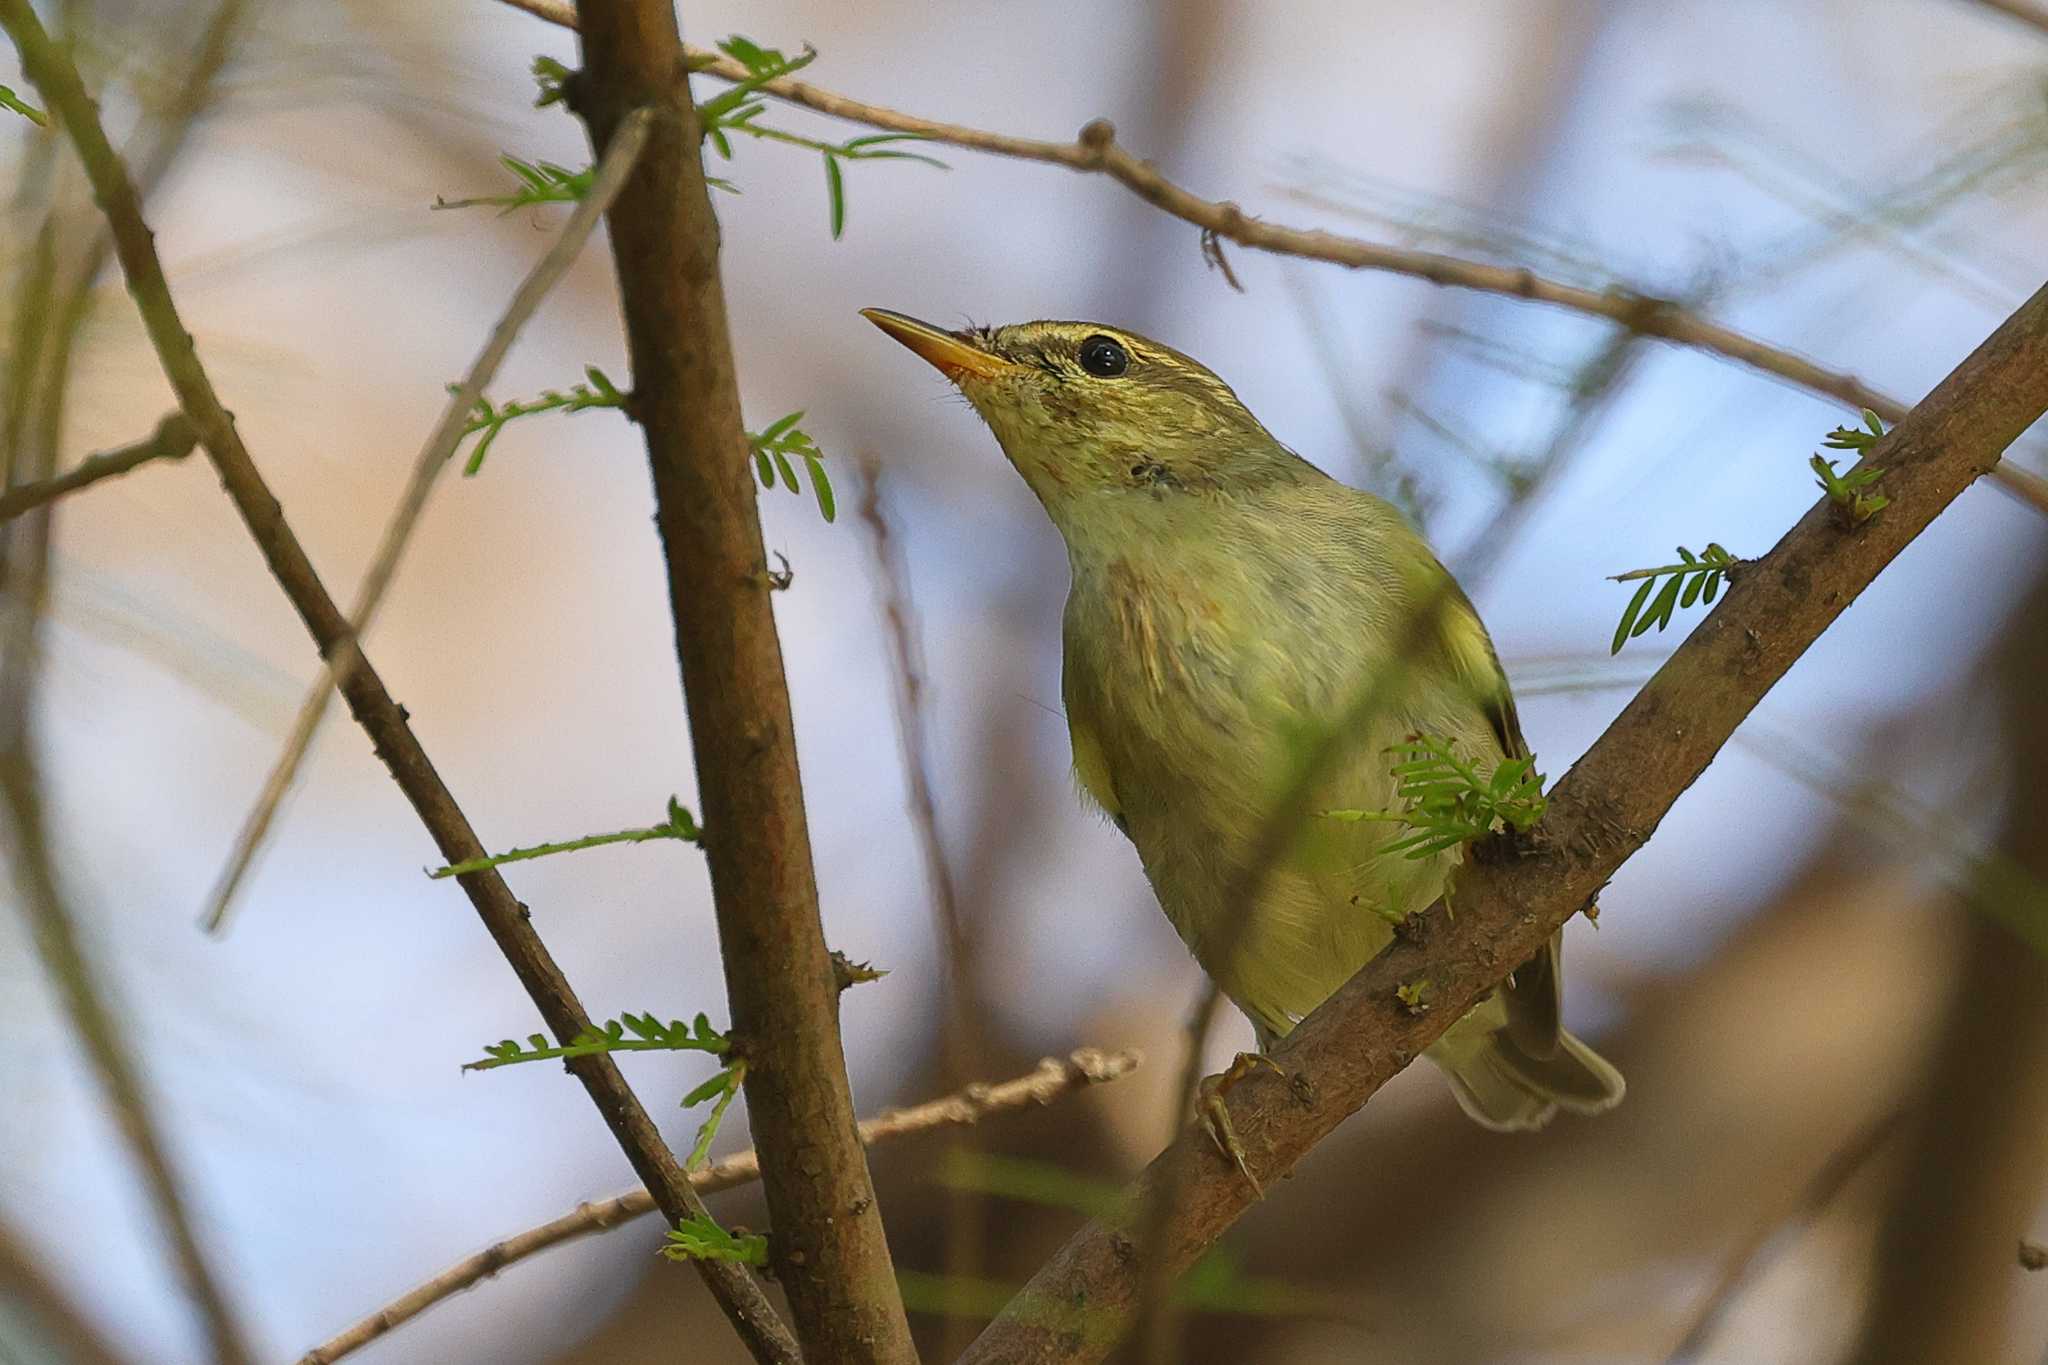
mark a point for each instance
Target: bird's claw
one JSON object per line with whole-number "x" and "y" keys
{"x": 1214, "y": 1114}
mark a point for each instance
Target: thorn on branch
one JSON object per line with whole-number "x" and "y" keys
{"x": 1213, "y": 257}
{"x": 846, "y": 972}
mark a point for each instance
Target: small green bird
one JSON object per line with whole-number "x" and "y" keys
{"x": 1227, "y": 599}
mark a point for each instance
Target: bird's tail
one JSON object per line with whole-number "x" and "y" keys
{"x": 1505, "y": 1088}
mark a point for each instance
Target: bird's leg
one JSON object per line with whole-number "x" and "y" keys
{"x": 1214, "y": 1114}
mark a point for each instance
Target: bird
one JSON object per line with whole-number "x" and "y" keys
{"x": 1227, "y": 599}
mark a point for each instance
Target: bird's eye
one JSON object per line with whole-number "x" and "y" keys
{"x": 1102, "y": 357}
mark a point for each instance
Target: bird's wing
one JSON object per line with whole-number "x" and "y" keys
{"x": 1534, "y": 995}
{"x": 1463, "y": 639}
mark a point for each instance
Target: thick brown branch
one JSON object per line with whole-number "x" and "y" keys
{"x": 1511, "y": 897}
{"x": 369, "y": 701}
{"x": 173, "y": 439}
{"x": 1053, "y": 1080}
{"x": 827, "y": 1240}
{"x": 1096, "y": 150}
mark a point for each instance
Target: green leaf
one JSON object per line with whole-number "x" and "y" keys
{"x": 10, "y": 100}
{"x": 1659, "y": 613}
{"x": 778, "y": 427}
{"x": 1622, "y": 633}
{"x": 702, "y": 1239}
{"x": 821, "y": 486}
{"x": 717, "y": 1085}
{"x": 835, "y": 195}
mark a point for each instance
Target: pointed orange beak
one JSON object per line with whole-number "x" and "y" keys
{"x": 952, "y": 355}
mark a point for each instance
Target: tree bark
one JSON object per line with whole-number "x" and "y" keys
{"x": 826, "y": 1239}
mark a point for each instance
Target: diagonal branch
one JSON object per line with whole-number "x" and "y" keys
{"x": 440, "y": 446}
{"x": 1096, "y": 151}
{"x": 827, "y": 1241}
{"x": 31, "y": 1293}
{"x": 1512, "y": 895}
{"x": 47, "y": 64}
{"x": 1053, "y": 1080}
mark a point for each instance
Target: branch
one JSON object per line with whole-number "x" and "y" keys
{"x": 440, "y": 446}
{"x": 1511, "y": 895}
{"x": 962, "y": 1013}
{"x": 372, "y": 705}
{"x": 1096, "y": 151}
{"x": 51, "y": 1318}
{"x": 1053, "y": 1080}
{"x": 173, "y": 439}
{"x": 830, "y": 1252}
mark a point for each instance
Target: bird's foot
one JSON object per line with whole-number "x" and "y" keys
{"x": 1214, "y": 1114}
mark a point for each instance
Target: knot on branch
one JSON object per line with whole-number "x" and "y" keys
{"x": 1097, "y": 137}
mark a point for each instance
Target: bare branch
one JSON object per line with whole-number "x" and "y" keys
{"x": 1511, "y": 895}
{"x": 1096, "y": 150}
{"x": 173, "y": 439}
{"x": 827, "y": 1242}
{"x": 381, "y": 717}
{"x": 962, "y": 1010}
{"x": 1053, "y": 1080}
{"x": 440, "y": 446}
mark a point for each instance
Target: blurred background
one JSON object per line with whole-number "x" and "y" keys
{"x": 1821, "y": 976}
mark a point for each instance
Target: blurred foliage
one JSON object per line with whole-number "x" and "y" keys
{"x": 1218, "y": 1283}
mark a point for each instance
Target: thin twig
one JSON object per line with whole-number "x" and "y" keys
{"x": 173, "y": 439}
{"x": 1053, "y": 1080}
{"x": 1512, "y": 895}
{"x": 1747, "y": 1260}
{"x": 827, "y": 1243}
{"x": 50, "y": 67}
{"x": 38, "y": 372}
{"x": 440, "y": 446}
{"x": 960, "y": 1017}
{"x": 1096, "y": 151}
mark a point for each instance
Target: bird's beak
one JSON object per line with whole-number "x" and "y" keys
{"x": 951, "y": 354}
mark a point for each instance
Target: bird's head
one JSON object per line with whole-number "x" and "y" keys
{"x": 1085, "y": 410}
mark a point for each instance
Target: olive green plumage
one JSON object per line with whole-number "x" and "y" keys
{"x": 1228, "y": 600}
